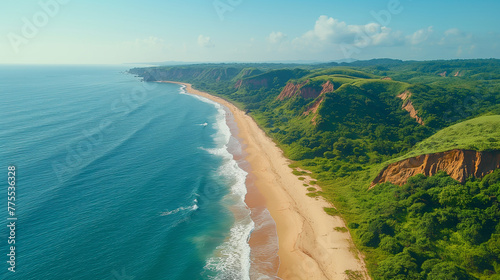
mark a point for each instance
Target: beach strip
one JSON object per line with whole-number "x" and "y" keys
{"x": 310, "y": 246}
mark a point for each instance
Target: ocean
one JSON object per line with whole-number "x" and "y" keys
{"x": 119, "y": 179}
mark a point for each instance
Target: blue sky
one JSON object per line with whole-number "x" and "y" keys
{"x": 113, "y": 32}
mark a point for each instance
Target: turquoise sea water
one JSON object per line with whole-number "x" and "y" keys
{"x": 118, "y": 179}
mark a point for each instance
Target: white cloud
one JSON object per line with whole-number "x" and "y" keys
{"x": 420, "y": 36}
{"x": 276, "y": 37}
{"x": 329, "y": 31}
{"x": 387, "y": 37}
{"x": 329, "y": 39}
{"x": 456, "y": 36}
{"x": 205, "y": 42}
{"x": 453, "y": 32}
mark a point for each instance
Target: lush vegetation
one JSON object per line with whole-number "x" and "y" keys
{"x": 431, "y": 228}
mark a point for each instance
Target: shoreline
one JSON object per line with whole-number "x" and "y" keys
{"x": 309, "y": 245}
{"x": 263, "y": 240}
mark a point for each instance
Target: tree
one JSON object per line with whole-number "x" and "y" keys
{"x": 455, "y": 195}
{"x": 399, "y": 267}
{"x": 449, "y": 271}
{"x": 390, "y": 244}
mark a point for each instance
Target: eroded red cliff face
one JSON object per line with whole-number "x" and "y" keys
{"x": 408, "y": 106}
{"x": 327, "y": 87}
{"x": 305, "y": 90}
{"x": 291, "y": 90}
{"x": 459, "y": 164}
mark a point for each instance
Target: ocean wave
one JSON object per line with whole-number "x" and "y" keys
{"x": 175, "y": 211}
{"x": 182, "y": 90}
{"x": 233, "y": 256}
{"x": 221, "y": 152}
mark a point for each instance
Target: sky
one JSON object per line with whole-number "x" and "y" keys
{"x": 151, "y": 31}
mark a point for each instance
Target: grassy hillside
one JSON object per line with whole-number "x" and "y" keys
{"x": 478, "y": 134}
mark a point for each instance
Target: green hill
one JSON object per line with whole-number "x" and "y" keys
{"x": 478, "y": 134}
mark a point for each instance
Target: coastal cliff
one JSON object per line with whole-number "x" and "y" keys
{"x": 459, "y": 164}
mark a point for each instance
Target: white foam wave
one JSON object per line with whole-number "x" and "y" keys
{"x": 183, "y": 90}
{"x": 223, "y": 153}
{"x": 236, "y": 177}
{"x": 223, "y": 134}
{"x": 188, "y": 208}
{"x": 233, "y": 256}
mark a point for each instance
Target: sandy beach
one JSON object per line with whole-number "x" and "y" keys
{"x": 309, "y": 245}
